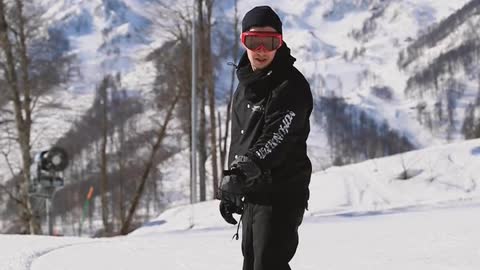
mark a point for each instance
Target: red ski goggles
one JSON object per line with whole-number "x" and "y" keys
{"x": 255, "y": 41}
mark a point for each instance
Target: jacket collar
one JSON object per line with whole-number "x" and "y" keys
{"x": 260, "y": 80}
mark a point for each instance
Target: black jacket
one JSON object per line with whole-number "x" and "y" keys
{"x": 270, "y": 125}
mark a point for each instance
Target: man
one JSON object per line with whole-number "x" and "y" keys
{"x": 269, "y": 167}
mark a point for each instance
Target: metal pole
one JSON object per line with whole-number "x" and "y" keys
{"x": 193, "y": 179}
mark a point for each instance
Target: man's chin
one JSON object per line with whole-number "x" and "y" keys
{"x": 260, "y": 66}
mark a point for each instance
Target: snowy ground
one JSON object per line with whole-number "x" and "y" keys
{"x": 424, "y": 239}
{"x": 361, "y": 217}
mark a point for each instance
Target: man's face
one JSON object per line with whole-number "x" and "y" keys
{"x": 260, "y": 59}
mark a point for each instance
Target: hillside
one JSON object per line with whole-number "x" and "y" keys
{"x": 361, "y": 216}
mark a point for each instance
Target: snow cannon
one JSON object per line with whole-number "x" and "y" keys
{"x": 46, "y": 172}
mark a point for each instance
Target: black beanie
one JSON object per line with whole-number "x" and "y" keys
{"x": 261, "y": 16}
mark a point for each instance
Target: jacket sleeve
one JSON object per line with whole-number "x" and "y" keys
{"x": 286, "y": 115}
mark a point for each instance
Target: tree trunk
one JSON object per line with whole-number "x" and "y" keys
{"x": 202, "y": 136}
{"x": 210, "y": 78}
{"x": 121, "y": 167}
{"x": 202, "y": 148}
{"x": 103, "y": 154}
{"x": 22, "y": 108}
{"x": 156, "y": 196}
{"x": 222, "y": 154}
{"x": 232, "y": 85}
{"x": 148, "y": 166}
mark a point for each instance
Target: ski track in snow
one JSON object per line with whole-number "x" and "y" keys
{"x": 427, "y": 238}
{"x": 38, "y": 255}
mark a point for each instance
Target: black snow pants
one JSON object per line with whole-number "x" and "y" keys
{"x": 269, "y": 236}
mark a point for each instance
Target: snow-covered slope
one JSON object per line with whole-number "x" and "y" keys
{"x": 361, "y": 216}
{"x": 416, "y": 239}
{"x": 436, "y": 176}
{"x": 346, "y": 48}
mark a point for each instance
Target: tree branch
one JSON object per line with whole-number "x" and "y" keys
{"x": 9, "y": 164}
{"x": 3, "y": 187}
{"x": 11, "y": 195}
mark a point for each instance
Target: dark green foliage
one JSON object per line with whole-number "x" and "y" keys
{"x": 427, "y": 80}
{"x": 353, "y": 136}
{"x": 383, "y": 92}
{"x": 438, "y": 32}
{"x": 369, "y": 25}
{"x": 468, "y": 126}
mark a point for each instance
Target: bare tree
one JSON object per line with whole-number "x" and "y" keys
{"x": 31, "y": 63}
{"x": 105, "y": 85}
{"x": 223, "y": 151}
{"x": 201, "y": 94}
{"x": 161, "y": 134}
{"x": 206, "y": 92}
{"x": 22, "y": 105}
{"x": 121, "y": 156}
{"x": 209, "y": 78}
{"x": 175, "y": 20}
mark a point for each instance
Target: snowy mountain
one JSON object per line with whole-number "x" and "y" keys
{"x": 363, "y": 65}
{"x": 387, "y": 76}
{"x": 368, "y": 212}
{"x": 348, "y": 49}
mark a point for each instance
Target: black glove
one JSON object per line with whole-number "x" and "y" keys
{"x": 230, "y": 193}
{"x": 231, "y": 185}
{"x": 253, "y": 179}
{"x": 227, "y": 209}
{"x": 247, "y": 167}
